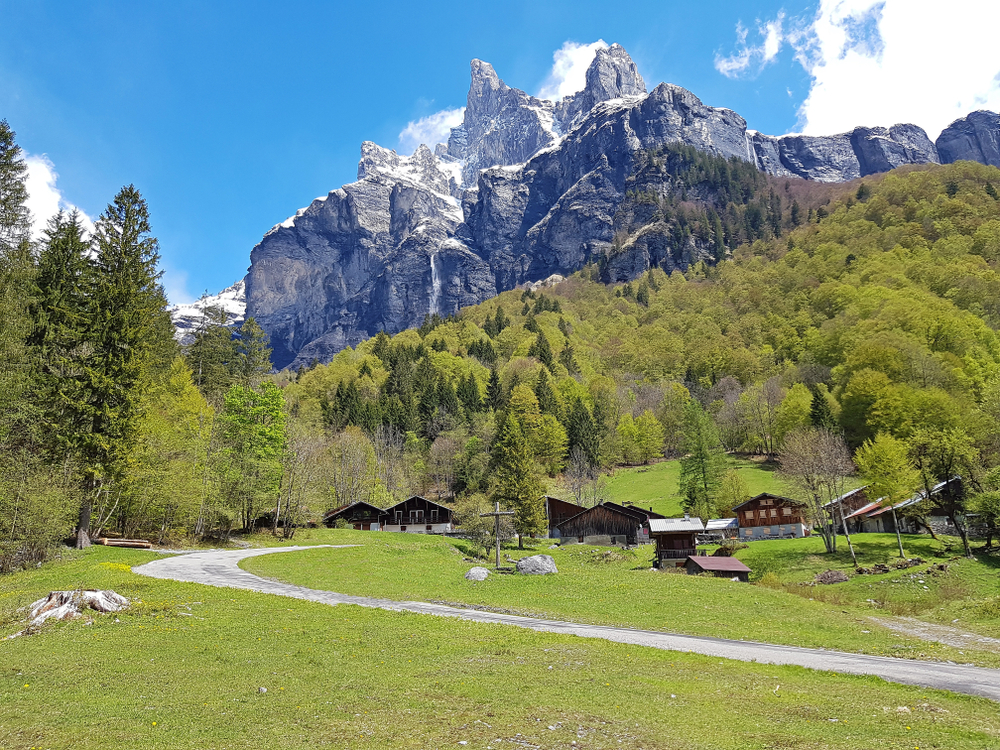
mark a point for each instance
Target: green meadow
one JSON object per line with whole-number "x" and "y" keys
{"x": 184, "y": 666}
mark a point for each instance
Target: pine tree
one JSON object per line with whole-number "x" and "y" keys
{"x": 820, "y": 414}
{"x": 514, "y": 482}
{"x": 469, "y": 395}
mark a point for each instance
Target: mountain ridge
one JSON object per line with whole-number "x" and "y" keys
{"x": 524, "y": 188}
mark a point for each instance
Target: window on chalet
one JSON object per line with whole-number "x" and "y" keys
{"x": 399, "y": 516}
{"x": 786, "y": 511}
{"x": 774, "y": 512}
{"x": 434, "y": 515}
{"x": 416, "y": 516}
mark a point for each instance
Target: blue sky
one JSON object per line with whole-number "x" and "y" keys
{"x": 230, "y": 116}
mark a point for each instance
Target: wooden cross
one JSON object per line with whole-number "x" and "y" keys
{"x": 496, "y": 516}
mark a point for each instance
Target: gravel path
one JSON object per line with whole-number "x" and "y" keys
{"x": 928, "y": 631}
{"x": 222, "y": 569}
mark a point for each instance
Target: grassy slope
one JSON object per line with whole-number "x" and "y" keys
{"x": 656, "y": 485}
{"x": 590, "y": 588}
{"x": 967, "y": 591}
{"x": 353, "y": 677}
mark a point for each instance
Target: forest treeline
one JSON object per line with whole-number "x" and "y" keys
{"x": 871, "y": 323}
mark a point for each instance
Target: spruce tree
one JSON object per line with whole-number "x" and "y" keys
{"x": 820, "y": 414}
{"x": 253, "y": 354}
{"x": 514, "y": 482}
{"x": 212, "y": 355}
{"x": 547, "y": 401}
{"x": 468, "y": 394}
{"x": 60, "y": 330}
{"x": 542, "y": 351}
{"x": 495, "y": 396}
{"x": 16, "y": 274}
{"x": 581, "y": 431}
{"x": 704, "y": 465}
{"x": 127, "y": 306}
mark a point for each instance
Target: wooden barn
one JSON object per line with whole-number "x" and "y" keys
{"x": 676, "y": 539}
{"x": 360, "y": 515}
{"x": 417, "y": 515}
{"x": 770, "y": 516}
{"x": 557, "y": 511}
{"x": 604, "y": 524}
{"x": 720, "y": 567}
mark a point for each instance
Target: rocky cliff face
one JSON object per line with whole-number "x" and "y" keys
{"x": 525, "y": 188}
{"x": 186, "y": 318}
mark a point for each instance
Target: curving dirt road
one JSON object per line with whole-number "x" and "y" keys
{"x": 221, "y": 568}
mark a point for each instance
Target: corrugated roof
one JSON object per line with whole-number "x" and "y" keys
{"x": 724, "y": 564}
{"x": 718, "y": 524}
{"x": 845, "y": 496}
{"x": 865, "y": 509}
{"x": 666, "y": 525}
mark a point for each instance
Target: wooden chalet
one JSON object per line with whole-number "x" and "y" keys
{"x": 770, "y": 516}
{"x": 418, "y": 515}
{"x": 676, "y": 539}
{"x": 360, "y": 515}
{"x": 720, "y": 567}
{"x": 878, "y": 516}
{"x": 604, "y": 524}
{"x": 557, "y": 511}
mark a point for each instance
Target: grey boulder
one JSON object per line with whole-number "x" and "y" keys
{"x": 536, "y": 565}
{"x": 477, "y": 574}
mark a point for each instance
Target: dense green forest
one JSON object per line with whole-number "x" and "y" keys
{"x": 864, "y": 331}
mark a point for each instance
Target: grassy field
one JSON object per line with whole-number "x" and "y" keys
{"x": 183, "y": 668}
{"x": 655, "y": 486}
{"x": 966, "y": 595}
{"x": 609, "y": 587}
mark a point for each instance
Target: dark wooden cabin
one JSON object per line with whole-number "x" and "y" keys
{"x": 676, "y": 539}
{"x": 417, "y": 515}
{"x": 557, "y": 511}
{"x": 770, "y": 516}
{"x": 360, "y": 515}
{"x": 720, "y": 567}
{"x": 605, "y": 524}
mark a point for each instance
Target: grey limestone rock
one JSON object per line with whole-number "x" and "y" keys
{"x": 536, "y": 565}
{"x": 477, "y": 574}
{"x": 975, "y": 137}
{"x": 526, "y": 189}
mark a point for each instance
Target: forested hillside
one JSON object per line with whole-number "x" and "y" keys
{"x": 872, "y": 317}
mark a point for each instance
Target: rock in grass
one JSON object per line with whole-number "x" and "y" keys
{"x": 536, "y": 565}
{"x": 832, "y": 576}
{"x": 477, "y": 574}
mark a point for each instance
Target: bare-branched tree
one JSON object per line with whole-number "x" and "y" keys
{"x": 818, "y": 462}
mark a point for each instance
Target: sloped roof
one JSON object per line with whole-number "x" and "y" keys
{"x": 718, "y": 524}
{"x": 865, "y": 509}
{"x": 846, "y": 495}
{"x": 721, "y": 564}
{"x": 669, "y": 525}
{"x": 768, "y": 494}
{"x": 417, "y": 497}
{"x": 345, "y": 508}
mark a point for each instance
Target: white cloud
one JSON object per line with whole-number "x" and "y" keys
{"x": 44, "y": 198}
{"x": 881, "y": 62}
{"x": 751, "y": 58}
{"x": 429, "y": 130}
{"x": 569, "y": 69}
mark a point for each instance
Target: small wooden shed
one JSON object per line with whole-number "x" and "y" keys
{"x": 676, "y": 539}
{"x": 720, "y": 567}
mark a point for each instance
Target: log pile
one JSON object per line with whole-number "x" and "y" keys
{"x": 130, "y": 543}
